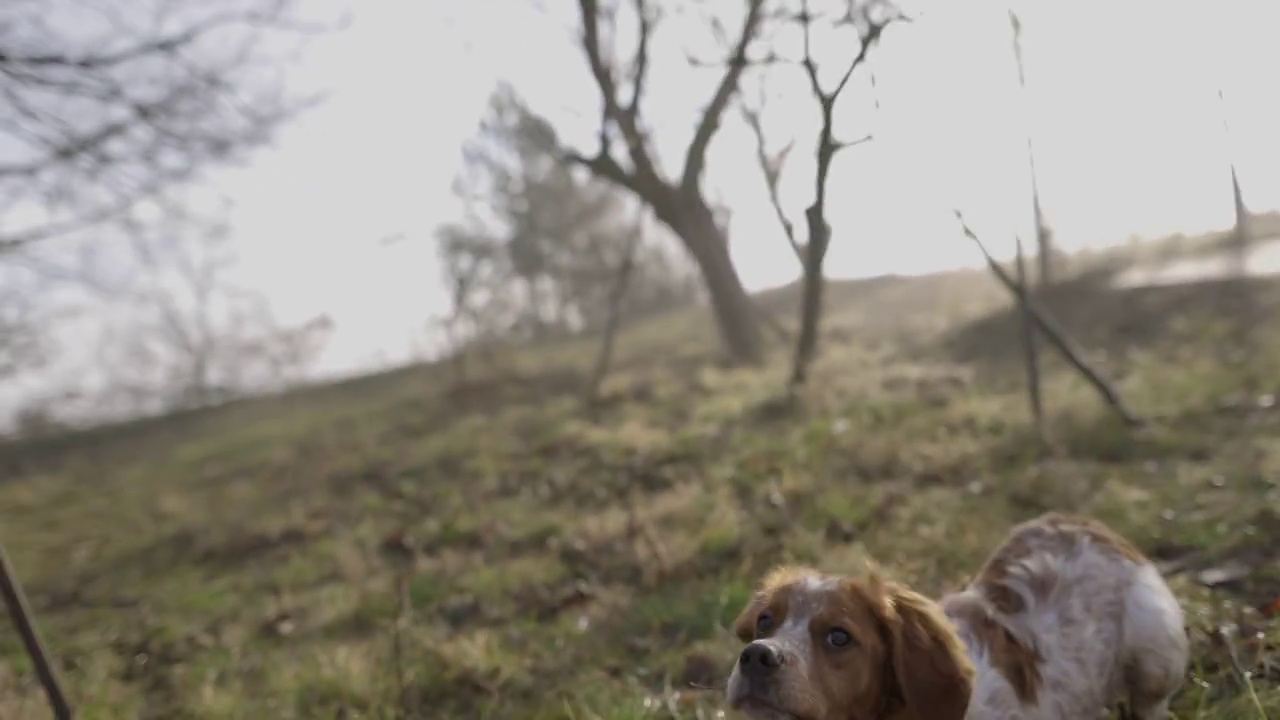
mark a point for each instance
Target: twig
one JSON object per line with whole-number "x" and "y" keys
{"x": 1055, "y": 333}
{"x": 771, "y": 165}
{"x": 20, "y": 613}
{"x": 1242, "y": 675}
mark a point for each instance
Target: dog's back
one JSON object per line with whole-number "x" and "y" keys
{"x": 1064, "y": 619}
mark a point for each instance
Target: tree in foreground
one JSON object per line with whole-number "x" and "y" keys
{"x": 104, "y": 105}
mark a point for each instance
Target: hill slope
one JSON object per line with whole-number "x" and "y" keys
{"x": 252, "y": 561}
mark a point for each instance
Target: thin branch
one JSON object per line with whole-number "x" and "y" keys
{"x": 624, "y": 118}
{"x": 101, "y": 128}
{"x": 827, "y": 146}
{"x": 771, "y": 166}
{"x": 158, "y": 46}
{"x": 696, "y": 156}
{"x": 771, "y": 59}
{"x": 642, "y": 57}
{"x": 606, "y": 167}
{"x": 838, "y": 145}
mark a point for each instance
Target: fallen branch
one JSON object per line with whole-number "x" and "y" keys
{"x": 1054, "y": 332}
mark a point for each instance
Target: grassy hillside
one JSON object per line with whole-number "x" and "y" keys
{"x": 403, "y": 543}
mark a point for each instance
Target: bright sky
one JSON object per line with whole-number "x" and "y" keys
{"x": 1122, "y": 103}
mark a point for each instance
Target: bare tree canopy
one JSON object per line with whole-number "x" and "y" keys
{"x": 190, "y": 335}
{"x": 103, "y": 105}
{"x": 625, "y": 154}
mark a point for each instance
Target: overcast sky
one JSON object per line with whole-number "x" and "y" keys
{"x": 1122, "y": 105}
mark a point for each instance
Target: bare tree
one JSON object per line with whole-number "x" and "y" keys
{"x": 190, "y": 336}
{"x": 180, "y": 299}
{"x": 678, "y": 202}
{"x": 870, "y": 20}
{"x": 471, "y": 260}
{"x": 285, "y": 354}
{"x": 105, "y": 105}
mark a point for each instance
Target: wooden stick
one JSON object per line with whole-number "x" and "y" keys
{"x": 20, "y": 614}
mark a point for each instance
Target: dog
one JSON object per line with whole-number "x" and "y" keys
{"x": 1064, "y": 620}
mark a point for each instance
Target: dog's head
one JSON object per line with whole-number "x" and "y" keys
{"x": 825, "y": 647}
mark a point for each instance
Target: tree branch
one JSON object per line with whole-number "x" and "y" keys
{"x": 827, "y": 145}
{"x": 1056, "y": 335}
{"x": 98, "y": 124}
{"x": 640, "y": 74}
{"x": 157, "y": 46}
{"x": 838, "y": 145}
{"x": 626, "y": 119}
{"x": 604, "y": 166}
{"x": 771, "y": 166}
{"x": 696, "y": 156}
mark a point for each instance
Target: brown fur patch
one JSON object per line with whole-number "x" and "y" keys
{"x": 1019, "y": 664}
{"x": 769, "y": 596}
{"x": 931, "y": 666}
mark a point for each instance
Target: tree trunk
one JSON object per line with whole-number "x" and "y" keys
{"x": 1030, "y": 348}
{"x": 811, "y": 301}
{"x": 735, "y": 313}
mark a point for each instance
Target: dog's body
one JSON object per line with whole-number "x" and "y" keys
{"x": 1063, "y": 620}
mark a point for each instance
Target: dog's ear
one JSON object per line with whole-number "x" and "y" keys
{"x": 932, "y": 671}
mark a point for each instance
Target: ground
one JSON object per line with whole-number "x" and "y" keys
{"x": 415, "y": 545}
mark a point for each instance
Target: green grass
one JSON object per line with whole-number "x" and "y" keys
{"x": 230, "y": 563}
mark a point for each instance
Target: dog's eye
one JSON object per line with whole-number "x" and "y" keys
{"x": 764, "y": 622}
{"x": 839, "y": 638}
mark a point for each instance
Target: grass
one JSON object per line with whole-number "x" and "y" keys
{"x": 256, "y": 560}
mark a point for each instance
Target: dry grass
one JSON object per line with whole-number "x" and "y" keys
{"x": 246, "y": 562}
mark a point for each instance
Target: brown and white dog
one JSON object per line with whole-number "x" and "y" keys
{"x": 1065, "y": 619}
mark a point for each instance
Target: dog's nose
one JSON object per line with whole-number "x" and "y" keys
{"x": 759, "y": 659}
